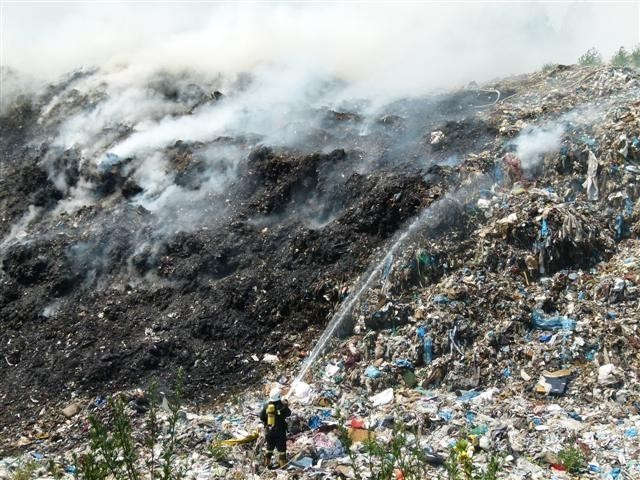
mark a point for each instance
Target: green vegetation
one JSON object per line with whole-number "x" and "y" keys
{"x": 591, "y": 57}
{"x": 572, "y": 458}
{"x": 114, "y": 453}
{"x": 217, "y": 452}
{"x": 403, "y": 453}
{"x": 55, "y": 470}
{"x": 460, "y": 466}
{"x": 635, "y": 57}
{"x": 24, "y": 472}
{"x": 621, "y": 59}
{"x": 624, "y": 58}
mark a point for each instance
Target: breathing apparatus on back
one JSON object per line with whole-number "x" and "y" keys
{"x": 274, "y": 396}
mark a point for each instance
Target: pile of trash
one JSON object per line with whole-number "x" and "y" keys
{"x": 510, "y": 317}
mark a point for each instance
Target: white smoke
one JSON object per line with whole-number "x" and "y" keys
{"x": 383, "y": 49}
{"x": 300, "y": 61}
{"x": 535, "y": 142}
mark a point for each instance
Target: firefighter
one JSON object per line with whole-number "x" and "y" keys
{"x": 273, "y": 417}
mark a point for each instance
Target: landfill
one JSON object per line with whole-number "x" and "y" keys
{"x": 508, "y": 311}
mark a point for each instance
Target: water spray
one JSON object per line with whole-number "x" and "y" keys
{"x": 468, "y": 194}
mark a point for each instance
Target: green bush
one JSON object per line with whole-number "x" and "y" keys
{"x": 621, "y": 59}
{"x": 114, "y": 453}
{"x": 572, "y": 458}
{"x": 590, "y": 58}
{"x": 635, "y": 56}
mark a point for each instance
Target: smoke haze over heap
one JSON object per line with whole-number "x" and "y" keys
{"x": 281, "y": 67}
{"x": 383, "y": 49}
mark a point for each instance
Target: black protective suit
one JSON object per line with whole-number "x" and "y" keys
{"x": 276, "y": 436}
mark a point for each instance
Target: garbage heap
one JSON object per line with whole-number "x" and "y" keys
{"x": 512, "y": 320}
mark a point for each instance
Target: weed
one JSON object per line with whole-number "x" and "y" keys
{"x": 55, "y": 470}
{"x": 621, "y": 58}
{"x": 635, "y": 56}
{"x": 24, "y": 472}
{"x": 401, "y": 453}
{"x": 218, "y": 453}
{"x": 113, "y": 451}
{"x": 590, "y": 58}
{"x": 572, "y": 458}
{"x": 460, "y": 466}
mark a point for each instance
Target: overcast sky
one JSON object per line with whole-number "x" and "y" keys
{"x": 409, "y": 46}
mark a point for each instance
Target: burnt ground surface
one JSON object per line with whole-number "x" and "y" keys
{"x": 110, "y": 295}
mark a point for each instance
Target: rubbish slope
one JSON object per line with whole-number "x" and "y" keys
{"x": 513, "y": 312}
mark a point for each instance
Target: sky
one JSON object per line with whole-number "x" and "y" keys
{"x": 402, "y": 48}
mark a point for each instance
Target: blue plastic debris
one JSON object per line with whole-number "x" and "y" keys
{"x": 506, "y": 372}
{"x": 304, "y": 462}
{"x": 575, "y": 416}
{"x": 544, "y": 338}
{"x": 468, "y": 396}
{"x": 446, "y": 415}
{"x": 631, "y": 432}
{"x": 421, "y": 331}
{"x": 70, "y": 469}
{"x": 315, "y": 422}
{"x": 427, "y": 350}
{"x": 544, "y": 229}
{"x": 441, "y": 300}
{"x": 372, "y": 372}
{"x": 403, "y": 363}
{"x": 619, "y": 228}
{"x": 558, "y": 322}
{"x": 498, "y": 174}
{"x": 628, "y": 207}
{"x": 479, "y": 430}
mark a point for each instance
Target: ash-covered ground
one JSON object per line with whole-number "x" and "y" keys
{"x": 195, "y": 222}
